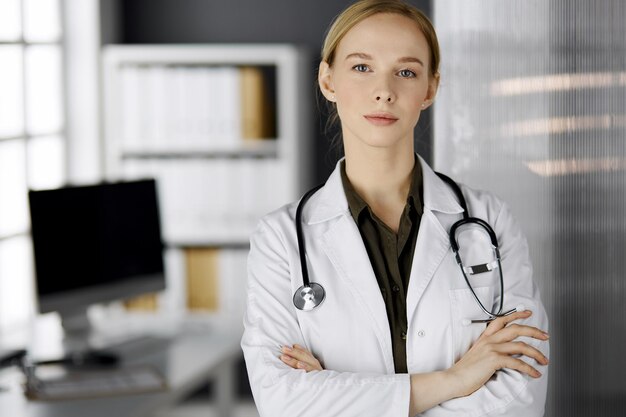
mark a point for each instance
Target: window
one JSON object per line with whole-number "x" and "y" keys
{"x": 32, "y": 138}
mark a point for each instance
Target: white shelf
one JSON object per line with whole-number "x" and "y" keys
{"x": 213, "y": 234}
{"x": 218, "y": 177}
{"x": 243, "y": 148}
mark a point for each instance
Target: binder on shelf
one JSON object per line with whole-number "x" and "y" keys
{"x": 145, "y": 302}
{"x": 212, "y": 201}
{"x": 257, "y": 116}
{"x": 202, "y": 279}
{"x": 229, "y": 103}
{"x": 130, "y": 79}
{"x": 233, "y": 276}
{"x": 215, "y": 278}
{"x": 156, "y": 97}
{"x": 188, "y": 108}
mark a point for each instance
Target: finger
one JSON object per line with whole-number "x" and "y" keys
{"x": 512, "y": 348}
{"x": 310, "y": 359}
{"x": 514, "y": 331}
{"x": 501, "y": 322}
{"x": 302, "y": 365}
{"x": 289, "y": 361}
{"x": 303, "y": 350}
{"x": 298, "y": 353}
{"x": 296, "y": 364}
{"x": 521, "y": 366}
{"x": 312, "y": 364}
{"x": 300, "y": 347}
{"x": 302, "y": 354}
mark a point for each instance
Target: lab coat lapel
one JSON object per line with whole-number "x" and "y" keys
{"x": 430, "y": 248}
{"x": 441, "y": 210}
{"x": 344, "y": 246}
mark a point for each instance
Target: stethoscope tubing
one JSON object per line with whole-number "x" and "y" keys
{"x": 311, "y": 295}
{"x": 300, "y": 235}
{"x": 455, "y": 248}
{"x": 491, "y": 315}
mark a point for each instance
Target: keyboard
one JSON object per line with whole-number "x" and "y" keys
{"x": 89, "y": 384}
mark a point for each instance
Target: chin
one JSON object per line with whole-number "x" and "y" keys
{"x": 383, "y": 140}
{"x": 385, "y": 137}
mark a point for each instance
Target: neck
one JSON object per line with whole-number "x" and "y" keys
{"x": 381, "y": 176}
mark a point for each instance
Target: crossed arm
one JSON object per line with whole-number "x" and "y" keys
{"x": 498, "y": 370}
{"x": 492, "y": 352}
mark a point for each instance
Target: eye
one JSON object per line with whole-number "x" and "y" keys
{"x": 361, "y": 68}
{"x": 406, "y": 73}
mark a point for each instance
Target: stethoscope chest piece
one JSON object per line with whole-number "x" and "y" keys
{"x": 306, "y": 298}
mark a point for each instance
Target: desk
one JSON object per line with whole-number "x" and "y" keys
{"x": 187, "y": 363}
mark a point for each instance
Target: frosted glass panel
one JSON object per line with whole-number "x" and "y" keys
{"x": 46, "y": 162}
{"x": 41, "y": 20}
{"x": 10, "y": 20}
{"x": 11, "y": 100}
{"x": 16, "y": 283}
{"x": 532, "y": 107}
{"x": 13, "y": 191}
{"x": 43, "y": 89}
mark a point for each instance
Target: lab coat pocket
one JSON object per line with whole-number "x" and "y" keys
{"x": 464, "y": 308}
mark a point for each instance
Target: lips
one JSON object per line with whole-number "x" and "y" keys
{"x": 381, "y": 119}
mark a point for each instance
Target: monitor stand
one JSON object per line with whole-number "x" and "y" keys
{"x": 77, "y": 331}
{"x": 77, "y": 347}
{"x": 86, "y": 345}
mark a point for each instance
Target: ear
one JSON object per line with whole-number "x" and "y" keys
{"x": 433, "y": 86}
{"x": 325, "y": 81}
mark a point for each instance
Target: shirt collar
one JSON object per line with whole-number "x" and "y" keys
{"x": 330, "y": 202}
{"x": 414, "y": 199}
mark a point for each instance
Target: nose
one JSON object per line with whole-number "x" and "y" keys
{"x": 384, "y": 93}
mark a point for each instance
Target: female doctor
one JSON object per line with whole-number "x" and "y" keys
{"x": 394, "y": 333}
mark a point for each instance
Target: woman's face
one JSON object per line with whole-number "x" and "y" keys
{"x": 380, "y": 81}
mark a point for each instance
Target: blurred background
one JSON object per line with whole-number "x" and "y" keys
{"x": 216, "y": 100}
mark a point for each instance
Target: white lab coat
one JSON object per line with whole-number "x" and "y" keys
{"x": 349, "y": 332}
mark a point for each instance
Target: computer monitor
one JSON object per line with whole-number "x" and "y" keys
{"x": 95, "y": 244}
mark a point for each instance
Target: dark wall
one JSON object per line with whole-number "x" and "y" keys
{"x": 250, "y": 21}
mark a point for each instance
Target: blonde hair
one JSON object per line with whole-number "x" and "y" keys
{"x": 363, "y": 9}
{"x": 360, "y": 11}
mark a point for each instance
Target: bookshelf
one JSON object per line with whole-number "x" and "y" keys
{"x": 226, "y": 131}
{"x": 181, "y": 113}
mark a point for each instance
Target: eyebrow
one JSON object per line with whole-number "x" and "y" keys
{"x": 403, "y": 60}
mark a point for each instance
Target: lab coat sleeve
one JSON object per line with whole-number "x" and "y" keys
{"x": 509, "y": 392}
{"x": 270, "y": 320}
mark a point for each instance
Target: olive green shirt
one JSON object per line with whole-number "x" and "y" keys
{"x": 391, "y": 254}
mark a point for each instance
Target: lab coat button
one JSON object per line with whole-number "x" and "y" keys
{"x": 421, "y": 333}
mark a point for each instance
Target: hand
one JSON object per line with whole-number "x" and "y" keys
{"x": 494, "y": 350}
{"x": 299, "y": 357}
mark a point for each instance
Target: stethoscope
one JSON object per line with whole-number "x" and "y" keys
{"x": 312, "y": 294}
